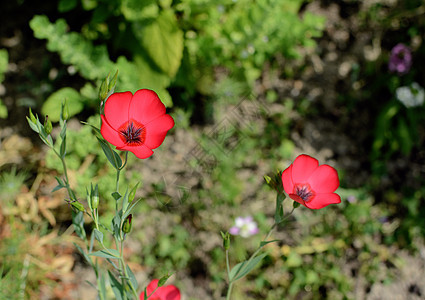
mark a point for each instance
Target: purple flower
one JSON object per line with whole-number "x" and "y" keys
{"x": 244, "y": 227}
{"x": 400, "y": 59}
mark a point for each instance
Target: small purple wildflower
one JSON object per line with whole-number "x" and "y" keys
{"x": 244, "y": 227}
{"x": 400, "y": 59}
{"x": 351, "y": 199}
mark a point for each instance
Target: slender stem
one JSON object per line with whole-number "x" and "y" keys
{"x": 253, "y": 255}
{"x": 229, "y": 290}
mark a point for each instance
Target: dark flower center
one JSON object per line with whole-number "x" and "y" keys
{"x": 304, "y": 191}
{"x": 132, "y": 133}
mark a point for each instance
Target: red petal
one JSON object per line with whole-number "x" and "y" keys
{"x": 324, "y": 179}
{"x": 288, "y": 185}
{"x": 297, "y": 199}
{"x": 110, "y": 134}
{"x": 322, "y": 200}
{"x": 150, "y": 288}
{"x": 146, "y": 106}
{"x": 157, "y": 130}
{"x": 169, "y": 292}
{"x": 141, "y": 151}
{"x": 116, "y": 108}
{"x": 303, "y": 167}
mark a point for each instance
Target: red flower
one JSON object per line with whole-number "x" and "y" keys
{"x": 310, "y": 184}
{"x": 168, "y": 292}
{"x": 136, "y": 123}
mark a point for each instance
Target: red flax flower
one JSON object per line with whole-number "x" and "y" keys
{"x": 136, "y": 123}
{"x": 310, "y": 184}
{"x": 168, "y": 292}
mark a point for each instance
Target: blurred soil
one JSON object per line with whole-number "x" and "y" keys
{"x": 326, "y": 75}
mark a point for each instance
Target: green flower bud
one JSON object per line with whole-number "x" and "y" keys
{"x": 126, "y": 227}
{"x": 65, "y": 111}
{"x": 95, "y": 197}
{"x": 113, "y": 82}
{"x": 226, "y": 240}
{"x": 103, "y": 91}
{"x": 32, "y": 117}
{"x": 48, "y": 125}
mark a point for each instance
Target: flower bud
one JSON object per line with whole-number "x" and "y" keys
{"x": 226, "y": 240}
{"x": 47, "y": 125}
{"x": 112, "y": 83}
{"x": 95, "y": 197}
{"x": 65, "y": 110}
{"x": 103, "y": 91}
{"x": 126, "y": 227}
{"x": 32, "y": 117}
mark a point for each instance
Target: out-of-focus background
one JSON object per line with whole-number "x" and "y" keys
{"x": 250, "y": 85}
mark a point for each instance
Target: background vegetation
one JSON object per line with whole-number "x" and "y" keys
{"x": 250, "y": 84}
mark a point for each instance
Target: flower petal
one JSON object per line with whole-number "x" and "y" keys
{"x": 146, "y": 106}
{"x": 288, "y": 184}
{"x": 169, "y": 292}
{"x": 324, "y": 179}
{"x": 116, "y": 108}
{"x": 157, "y": 129}
{"x": 322, "y": 200}
{"x": 141, "y": 151}
{"x": 150, "y": 288}
{"x": 110, "y": 134}
{"x": 303, "y": 167}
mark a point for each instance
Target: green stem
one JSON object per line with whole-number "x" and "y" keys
{"x": 254, "y": 254}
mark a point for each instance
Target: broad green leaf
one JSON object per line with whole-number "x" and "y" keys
{"x": 109, "y": 253}
{"x": 53, "y": 105}
{"x": 243, "y": 268}
{"x": 163, "y": 41}
{"x": 116, "y": 286}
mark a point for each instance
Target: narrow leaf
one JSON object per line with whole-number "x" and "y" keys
{"x": 132, "y": 278}
{"x": 262, "y": 244}
{"x": 83, "y": 253}
{"x": 98, "y": 235}
{"x": 240, "y": 270}
{"x": 109, "y": 253}
{"x": 111, "y": 155}
{"x": 63, "y": 147}
{"x": 116, "y": 286}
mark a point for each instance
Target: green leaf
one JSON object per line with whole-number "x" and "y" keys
{"x": 98, "y": 235}
{"x": 4, "y": 62}
{"x": 117, "y": 196}
{"x": 78, "y": 221}
{"x": 125, "y": 201}
{"x": 60, "y": 185}
{"x": 132, "y": 278}
{"x": 111, "y": 155}
{"x": 83, "y": 253}
{"x": 262, "y": 244}
{"x": 67, "y": 5}
{"x": 63, "y": 147}
{"x": 164, "y": 44}
{"x": 134, "y": 10}
{"x": 102, "y": 286}
{"x": 243, "y": 268}
{"x": 108, "y": 253}
{"x": 128, "y": 211}
{"x": 53, "y": 105}
{"x": 116, "y": 286}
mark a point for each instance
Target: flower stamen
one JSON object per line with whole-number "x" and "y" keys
{"x": 132, "y": 133}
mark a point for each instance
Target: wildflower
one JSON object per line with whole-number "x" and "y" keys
{"x": 136, "y": 123}
{"x": 411, "y": 96}
{"x": 244, "y": 227}
{"x": 400, "y": 59}
{"x": 310, "y": 184}
{"x": 168, "y": 292}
